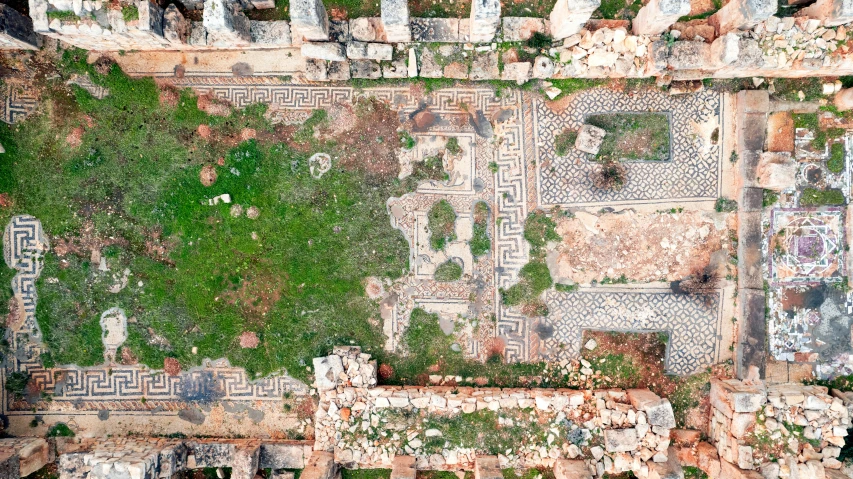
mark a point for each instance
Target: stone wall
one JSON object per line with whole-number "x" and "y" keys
{"x": 152, "y": 458}
{"x": 16, "y": 31}
{"x": 788, "y": 430}
{"x": 367, "y": 426}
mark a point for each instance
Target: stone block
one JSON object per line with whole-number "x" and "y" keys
{"x": 730, "y": 471}
{"x": 485, "y": 18}
{"x": 685, "y": 437}
{"x": 440, "y": 30}
{"x": 843, "y": 99}
{"x": 365, "y": 29}
{"x": 357, "y": 50}
{"x": 830, "y": 12}
{"x": 519, "y": 29}
{"x": 403, "y": 467}
{"x": 753, "y": 101}
{"x": 569, "y": 16}
{"x": 339, "y": 31}
{"x": 212, "y": 454}
{"x": 324, "y": 51}
{"x": 176, "y": 28}
{"x": 321, "y": 465}
{"x": 396, "y": 21}
{"x": 741, "y": 423}
{"x": 151, "y": 17}
{"x": 38, "y": 14}
{"x": 339, "y": 71}
{"x": 725, "y": 49}
{"x": 380, "y": 52}
{"x": 198, "y": 34}
{"x": 456, "y": 70}
{"x": 742, "y": 15}
{"x": 271, "y": 33}
{"x": 670, "y": 469}
{"x": 282, "y": 456}
{"x": 690, "y": 55}
{"x": 776, "y": 171}
{"x": 708, "y": 459}
{"x": 395, "y": 69}
{"x": 657, "y": 15}
{"x": 326, "y": 372}
{"x": 589, "y": 139}
{"x": 365, "y": 69}
{"x": 731, "y": 396}
{"x": 33, "y": 454}
{"x": 620, "y": 440}
{"x": 429, "y": 67}
{"x": 571, "y": 469}
{"x": 487, "y": 467}
{"x": 309, "y": 19}
{"x": 16, "y": 29}
{"x": 485, "y": 66}
{"x": 245, "y": 463}
{"x": 517, "y": 71}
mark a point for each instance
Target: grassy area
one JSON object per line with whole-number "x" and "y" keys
{"x": 770, "y": 198}
{"x": 815, "y": 197}
{"x": 835, "y": 163}
{"x": 442, "y": 225}
{"x": 365, "y": 473}
{"x": 131, "y": 190}
{"x": 448, "y": 271}
{"x": 534, "y": 279}
{"x": 482, "y": 431}
{"x": 691, "y": 472}
{"x": 130, "y": 13}
{"x": 618, "y": 9}
{"x": 564, "y": 142}
{"x": 62, "y": 16}
{"x": 539, "y": 229}
{"x": 790, "y": 88}
{"x": 725, "y": 205}
{"x": 431, "y": 168}
{"x": 633, "y": 136}
{"x": 280, "y": 12}
{"x": 480, "y": 243}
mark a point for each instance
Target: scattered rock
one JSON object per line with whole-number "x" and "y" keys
{"x": 253, "y": 213}
{"x": 236, "y": 211}
{"x": 249, "y": 340}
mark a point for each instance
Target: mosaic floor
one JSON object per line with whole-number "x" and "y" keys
{"x": 523, "y": 181}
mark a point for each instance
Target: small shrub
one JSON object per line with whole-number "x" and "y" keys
{"x": 835, "y": 163}
{"x": 448, "y": 271}
{"x": 63, "y": 16}
{"x": 566, "y": 288}
{"x": 564, "y": 142}
{"x": 725, "y": 205}
{"x": 16, "y": 383}
{"x": 452, "y": 146}
{"x": 493, "y": 167}
{"x": 431, "y": 168}
{"x": 770, "y": 198}
{"x": 534, "y": 279}
{"x": 60, "y": 429}
{"x": 442, "y": 220}
{"x": 610, "y": 175}
{"x": 815, "y": 197}
{"x": 130, "y": 13}
{"x": 539, "y": 229}
{"x": 539, "y": 41}
{"x": 407, "y": 141}
{"x": 480, "y": 243}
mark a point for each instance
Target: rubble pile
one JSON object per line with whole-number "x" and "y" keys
{"x": 802, "y": 426}
{"x": 791, "y": 39}
{"x": 367, "y": 426}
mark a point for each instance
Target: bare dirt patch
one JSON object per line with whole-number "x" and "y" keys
{"x": 636, "y": 247}
{"x": 249, "y": 340}
{"x": 171, "y": 366}
{"x": 371, "y": 144}
{"x": 255, "y": 293}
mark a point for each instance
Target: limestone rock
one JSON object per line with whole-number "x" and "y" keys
{"x": 589, "y": 139}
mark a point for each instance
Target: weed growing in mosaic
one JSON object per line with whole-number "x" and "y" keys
{"x": 480, "y": 243}
{"x": 633, "y": 136}
{"x": 442, "y": 225}
{"x": 448, "y": 271}
{"x": 827, "y": 197}
{"x": 835, "y": 163}
{"x": 564, "y": 142}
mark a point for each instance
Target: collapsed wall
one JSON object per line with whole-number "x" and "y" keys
{"x": 368, "y": 426}
{"x": 787, "y": 430}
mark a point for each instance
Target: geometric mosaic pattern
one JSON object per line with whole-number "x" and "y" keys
{"x": 692, "y": 322}
{"x": 808, "y": 245}
{"x": 16, "y": 104}
{"x": 692, "y": 173}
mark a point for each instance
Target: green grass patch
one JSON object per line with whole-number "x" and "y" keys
{"x": 431, "y": 168}
{"x": 480, "y": 430}
{"x": 130, "y": 13}
{"x": 60, "y": 429}
{"x": 480, "y": 243}
{"x": 365, "y": 473}
{"x": 305, "y": 133}
{"x": 442, "y": 222}
{"x": 280, "y": 12}
{"x": 534, "y": 279}
{"x": 564, "y": 142}
{"x": 770, "y": 198}
{"x": 725, "y": 205}
{"x": 688, "y": 394}
{"x": 565, "y": 288}
{"x": 789, "y": 88}
{"x": 407, "y": 141}
{"x": 569, "y": 86}
{"x": 835, "y": 163}
{"x": 815, "y": 197}
{"x": 691, "y": 472}
{"x": 452, "y": 146}
{"x": 135, "y": 178}
{"x": 62, "y": 16}
{"x": 448, "y": 271}
{"x": 539, "y": 229}
{"x": 633, "y": 136}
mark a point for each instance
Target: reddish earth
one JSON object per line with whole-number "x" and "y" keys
{"x": 249, "y": 340}
{"x": 127, "y": 357}
{"x": 207, "y": 175}
{"x": 780, "y": 132}
{"x": 256, "y": 294}
{"x": 172, "y": 366}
